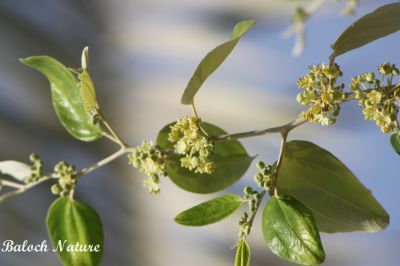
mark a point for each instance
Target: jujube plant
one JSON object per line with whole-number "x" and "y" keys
{"x": 310, "y": 190}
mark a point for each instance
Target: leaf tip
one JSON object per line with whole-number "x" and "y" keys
{"x": 178, "y": 219}
{"x": 242, "y": 27}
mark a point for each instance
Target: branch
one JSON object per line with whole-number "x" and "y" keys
{"x": 23, "y": 188}
{"x": 273, "y": 130}
{"x": 284, "y": 134}
{"x": 105, "y": 161}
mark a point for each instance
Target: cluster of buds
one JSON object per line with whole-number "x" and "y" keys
{"x": 149, "y": 159}
{"x": 244, "y": 226}
{"x": 36, "y": 168}
{"x": 266, "y": 176}
{"x": 190, "y": 140}
{"x": 252, "y": 198}
{"x": 67, "y": 179}
{"x": 321, "y": 93}
{"x": 377, "y": 98}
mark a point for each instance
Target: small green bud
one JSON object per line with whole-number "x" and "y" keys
{"x": 267, "y": 171}
{"x": 248, "y": 190}
{"x": 56, "y": 189}
{"x": 258, "y": 177}
{"x": 34, "y": 157}
{"x": 260, "y": 165}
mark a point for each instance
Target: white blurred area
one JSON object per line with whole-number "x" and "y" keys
{"x": 146, "y": 52}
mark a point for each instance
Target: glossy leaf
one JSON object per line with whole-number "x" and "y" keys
{"x": 69, "y": 222}
{"x": 338, "y": 200}
{"x": 17, "y": 170}
{"x": 230, "y": 158}
{"x": 395, "y": 141}
{"x": 242, "y": 254}
{"x": 210, "y": 211}
{"x": 66, "y": 98}
{"x": 213, "y": 60}
{"x": 290, "y": 231}
{"x": 380, "y": 23}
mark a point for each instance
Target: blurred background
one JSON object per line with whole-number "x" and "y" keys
{"x": 142, "y": 55}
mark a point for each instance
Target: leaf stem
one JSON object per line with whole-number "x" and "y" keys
{"x": 114, "y": 135}
{"x": 105, "y": 134}
{"x": 279, "y": 162}
{"x": 194, "y": 109}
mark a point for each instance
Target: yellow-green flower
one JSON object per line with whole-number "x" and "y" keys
{"x": 190, "y": 141}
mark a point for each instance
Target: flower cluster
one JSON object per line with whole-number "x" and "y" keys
{"x": 149, "y": 159}
{"x": 377, "y": 97}
{"x": 36, "y": 168}
{"x": 189, "y": 140}
{"x": 321, "y": 93}
{"x": 67, "y": 179}
{"x": 266, "y": 176}
{"x": 252, "y": 198}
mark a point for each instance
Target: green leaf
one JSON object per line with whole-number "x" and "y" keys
{"x": 290, "y": 231}
{"x": 242, "y": 254}
{"x": 395, "y": 141}
{"x": 66, "y": 98}
{"x": 210, "y": 211}
{"x": 213, "y": 60}
{"x": 338, "y": 200}
{"x": 230, "y": 158}
{"x": 69, "y": 222}
{"x": 380, "y": 23}
{"x": 17, "y": 170}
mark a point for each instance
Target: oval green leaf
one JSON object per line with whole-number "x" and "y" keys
{"x": 70, "y": 222}
{"x": 380, "y": 23}
{"x": 395, "y": 141}
{"x": 66, "y": 98}
{"x": 211, "y": 211}
{"x": 242, "y": 254}
{"x": 230, "y": 158}
{"x": 290, "y": 232}
{"x": 213, "y": 60}
{"x": 338, "y": 200}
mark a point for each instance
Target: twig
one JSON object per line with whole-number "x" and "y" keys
{"x": 23, "y": 188}
{"x": 273, "y": 130}
{"x": 105, "y": 161}
{"x": 8, "y": 183}
{"x": 115, "y": 136}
